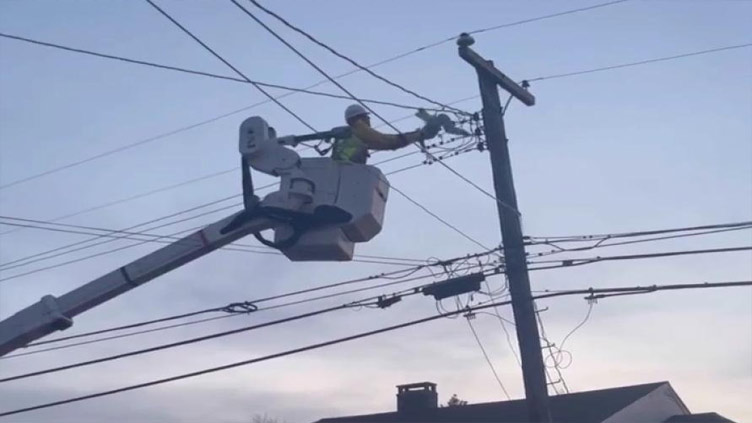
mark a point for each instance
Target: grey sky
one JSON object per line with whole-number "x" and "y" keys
{"x": 661, "y": 145}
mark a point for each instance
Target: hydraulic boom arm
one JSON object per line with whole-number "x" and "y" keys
{"x": 55, "y": 313}
{"x": 322, "y": 208}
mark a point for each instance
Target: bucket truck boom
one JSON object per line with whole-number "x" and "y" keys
{"x": 321, "y": 209}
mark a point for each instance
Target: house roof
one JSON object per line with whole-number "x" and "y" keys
{"x": 581, "y": 407}
{"x": 698, "y": 418}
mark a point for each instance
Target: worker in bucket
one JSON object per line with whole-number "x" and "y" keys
{"x": 361, "y": 138}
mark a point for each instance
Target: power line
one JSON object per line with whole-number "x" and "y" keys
{"x": 4, "y": 265}
{"x": 229, "y": 65}
{"x": 131, "y": 326}
{"x": 343, "y": 57}
{"x": 449, "y": 225}
{"x": 99, "y": 254}
{"x": 205, "y": 177}
{"x": 496, "y": 314}
{"x": 540, "y": 18}
{"x": 401, "y": 275}
{"x": 488, "y": 360}
{"x": 224, "y": 115}
{"x": 601, "y": 242}
{"x": 388, "y": 275}
{"x": 579, "y": 325}
{"x": 592, "y": 237}
{"x": 136, "y": 196}
{"x": 583, "y": 261}
{"x": 66, "y": 248}
{"x": 208, "y": 74}
{"x": 113, "y": 337}
{"x": 353, "y": 337}
{"x": 35, "y": 258}
{"x": 174, "y": 344}
{"x": 345, "y": 90}
{"x": 409, "y": 291}
{"x": 641, "y": 62}
{"x": 162, "y": 239}
{"x": 258, "y": 87}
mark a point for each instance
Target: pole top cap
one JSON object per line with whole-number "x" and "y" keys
{"x": 465, "y": 40}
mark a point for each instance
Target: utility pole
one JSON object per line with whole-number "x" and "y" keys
{"x": 533, "y": 370}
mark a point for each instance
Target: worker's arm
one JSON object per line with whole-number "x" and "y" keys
{"x": 376, "y": 140}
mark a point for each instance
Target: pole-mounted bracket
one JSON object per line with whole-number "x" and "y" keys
{"x": 487, "y": 68}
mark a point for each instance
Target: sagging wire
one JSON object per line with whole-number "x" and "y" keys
{"x": 558, "y": 358}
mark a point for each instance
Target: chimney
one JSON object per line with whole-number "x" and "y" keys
{"x": 416, "y": 397}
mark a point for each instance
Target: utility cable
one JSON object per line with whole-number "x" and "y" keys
{"x": 593, "y": 237}
{"x": 342, "y": 340}
{"x": 602, "y": 244}
{"x": 129, "y": 228}
{"x": 229, "y": 65}
{"x": 114, "y": 250}
{"x": 641, "y": 62}
{"x": 224, "y": 115}
{"x": 488, "y": 360}
{"x": 256, "y": 249}
{"x": 449, "y": 225}
{"x": 210, "y": 319}
{"x": 411, "y": 291}
{"x": 384, "y": 275}
{"x": 579, "y": 325}
{"x": 343, "y": 57}
{"x": 367, "y": 107}
{"x": 246, "y": 78}
{"x": 212, "y": 75}
{"x": 174, "y": 344}
{"x": 583, "y": 261}
{"x": 67, "y": 251}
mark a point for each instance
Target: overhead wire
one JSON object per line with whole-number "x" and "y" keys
{"x": 591, "y": 260}
{"x": 224, "y": 115}
{"x": 640, "y": 62}
{"x": 591, "y": 237}
{"x": 409, "y": 291}
{"x": 129, "y": 228}
{"x": 66, "y": 249}
{"x": 602, "y": 241}
{"x": 205, "y": 177}
{"x": 136, "y": 196}
{"x": 400, "y": 275}
{"x": 579, "y": 325}
{"x": 304, "y": 58}
{"x": 114, "y": 250}
{"x": 350, "y": 338}
{"x": 2, "y": 265}
{"x": 230, "y": 65}
{"x": 209, "y": 74}
{"x": 488, "y": 360}
{"x": 345, "y": 90}
{"x": 348, "y": 59}
{"x": 162, "y": 239}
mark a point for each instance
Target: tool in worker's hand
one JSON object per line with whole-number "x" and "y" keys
{"x": 442, "y": 120}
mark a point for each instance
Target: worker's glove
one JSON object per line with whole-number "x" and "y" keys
{"x": 431, "y": 129}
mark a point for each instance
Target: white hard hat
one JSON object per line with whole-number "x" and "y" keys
{"x": 354, "y": 110}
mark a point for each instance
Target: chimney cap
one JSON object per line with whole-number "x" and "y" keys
{"x": 410, "y": 386}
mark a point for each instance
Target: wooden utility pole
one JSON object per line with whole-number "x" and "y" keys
{"x": 533, "y": 370}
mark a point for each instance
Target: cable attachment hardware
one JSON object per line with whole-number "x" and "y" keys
{"x": 240, "y": 307}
